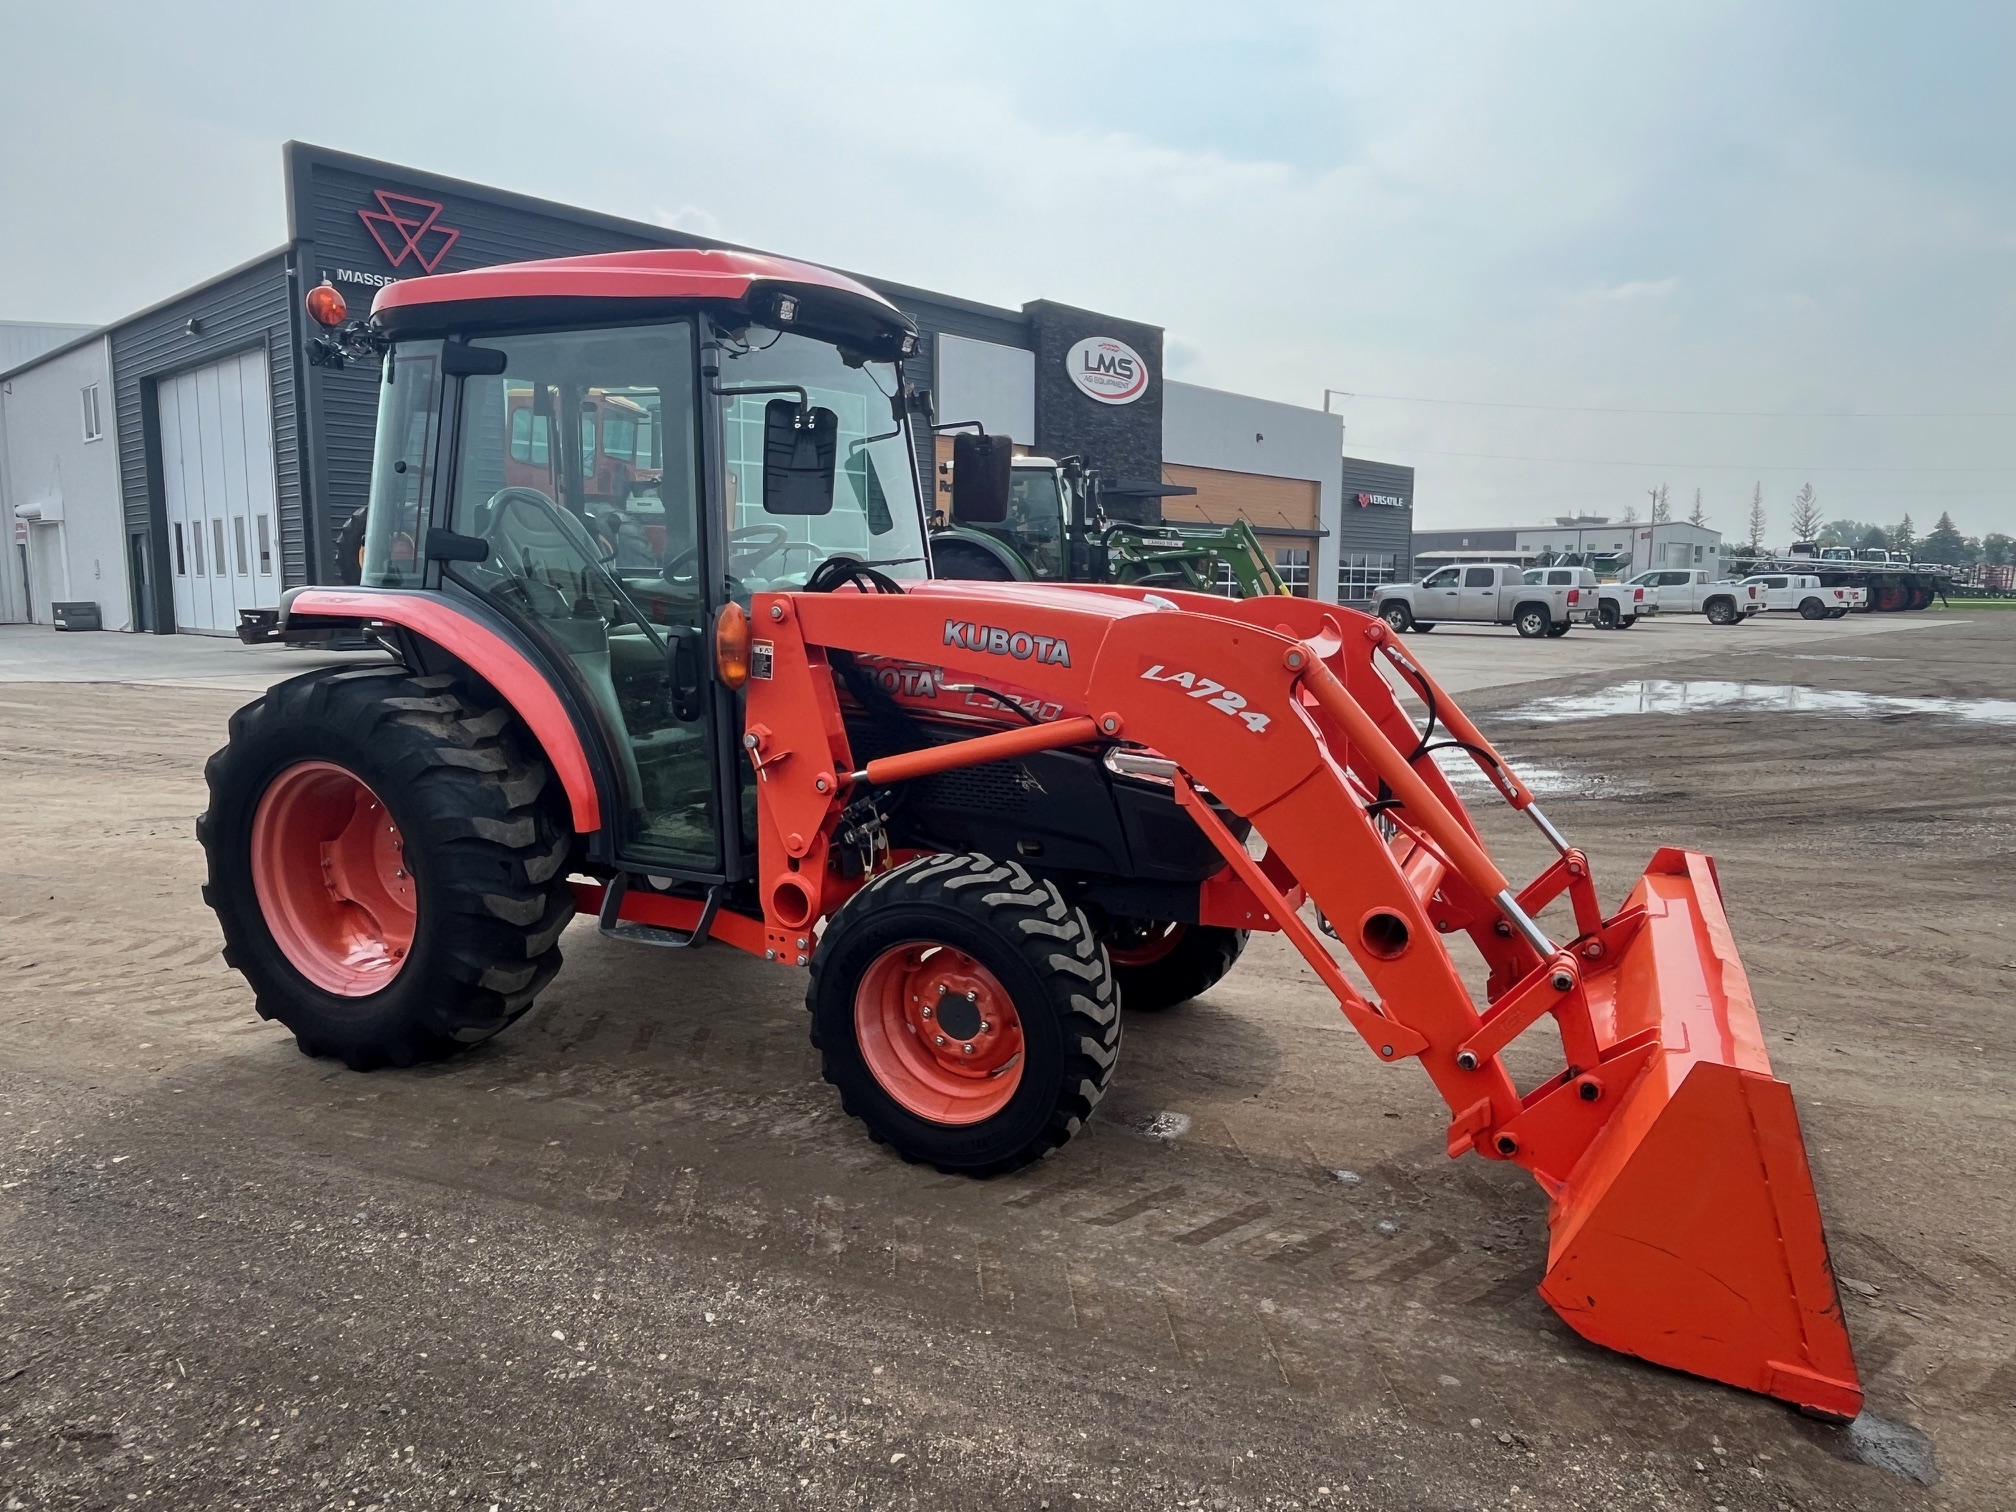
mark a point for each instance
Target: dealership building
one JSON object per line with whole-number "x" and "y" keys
{"x": 193, "y": 460}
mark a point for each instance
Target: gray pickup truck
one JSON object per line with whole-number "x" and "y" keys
{"x": 1480, "y": 593}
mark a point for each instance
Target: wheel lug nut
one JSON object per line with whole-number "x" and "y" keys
{"x": 937, "y": 1039}
{"x": 927, "y": 1013}
{"x": 969, "y": 1049}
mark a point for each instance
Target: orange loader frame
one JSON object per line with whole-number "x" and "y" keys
{"x": 1684, "y": 1224}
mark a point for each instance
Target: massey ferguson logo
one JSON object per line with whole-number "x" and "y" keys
{"x": 407, "y": 227}
{"x": 1047, "y": 650}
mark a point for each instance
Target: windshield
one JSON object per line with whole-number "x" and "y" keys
{"x": 1036, "y": 519}
{"x": 875, "y": 516}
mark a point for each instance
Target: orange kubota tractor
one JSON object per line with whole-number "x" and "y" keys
{"x": 985, "y": 818}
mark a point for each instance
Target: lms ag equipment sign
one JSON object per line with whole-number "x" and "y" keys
{"x": 1108, "y": 370}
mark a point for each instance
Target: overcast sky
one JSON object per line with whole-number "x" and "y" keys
{"x": 1805, "y": 213}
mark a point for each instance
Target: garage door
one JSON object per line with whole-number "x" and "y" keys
{"x": 217, "y": 475}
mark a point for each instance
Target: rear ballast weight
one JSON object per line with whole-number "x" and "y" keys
{"x": 393, "y": 853}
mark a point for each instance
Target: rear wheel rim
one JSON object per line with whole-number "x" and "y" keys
{"x": 939, "y": 1033}
{"x": 330, "y": 875}
{"x": 1144, "y": 944}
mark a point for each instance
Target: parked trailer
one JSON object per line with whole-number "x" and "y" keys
{"x": 1894, "y": 581}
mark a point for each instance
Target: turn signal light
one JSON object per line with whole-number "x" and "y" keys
{"x": 1574, "y": 597}
{"x": 325, "y": 306}
{"x": 731, "y": 646}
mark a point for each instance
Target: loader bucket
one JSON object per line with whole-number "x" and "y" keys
{"x": 1688, "y": 1233}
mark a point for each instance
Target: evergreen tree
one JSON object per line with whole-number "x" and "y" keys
{"x": 1805, "y": 514}
{"x": 1661, "y": 510}
{"x": 1998, "y": 549}
{"x": 1903, "y": 535}
{"x": 1699, "y": 516}
{"x": 1758, "y": 520}
{"x": 1946, "y": 544}
{"x": 1873, "y": 539}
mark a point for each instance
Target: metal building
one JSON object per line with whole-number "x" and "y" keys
{"x": 239, "y": 457}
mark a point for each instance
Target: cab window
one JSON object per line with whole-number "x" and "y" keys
{"x": 1446, "y": 578}
{"x": 1477, "y": 577}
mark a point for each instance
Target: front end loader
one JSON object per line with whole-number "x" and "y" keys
{"x": 985, "y": 819}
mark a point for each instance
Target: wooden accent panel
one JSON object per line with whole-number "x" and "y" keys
{"x": 1222, "y": 497}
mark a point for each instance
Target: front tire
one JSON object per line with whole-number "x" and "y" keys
{"x": 967, "y": 1014}
{"x": 954, "y": 558}
{"x": 1398, "y": 617}
{"x": 1160, "y": 964}
{"x": 387, "y": 863}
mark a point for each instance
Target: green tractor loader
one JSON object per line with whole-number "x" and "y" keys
{"x": 1053, "y": 530}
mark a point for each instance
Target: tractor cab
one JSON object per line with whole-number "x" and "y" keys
{"x": 610, "y": 475}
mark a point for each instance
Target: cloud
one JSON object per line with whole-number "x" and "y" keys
{"x": 1701, "y": 207}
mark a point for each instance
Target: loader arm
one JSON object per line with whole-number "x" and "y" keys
{"x": 1685, "y": 1228}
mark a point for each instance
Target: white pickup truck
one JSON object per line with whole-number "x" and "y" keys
{"x": 1619, "y": 606}
{"x": 1804, "y": 595}
{"x": 1486, "y": 594}
{"x": 1693, "y": 591}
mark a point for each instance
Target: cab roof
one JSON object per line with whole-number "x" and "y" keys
{"x": 627, "y": 284}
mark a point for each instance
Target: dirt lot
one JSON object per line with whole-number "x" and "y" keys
{"x": 631, "y": 1255}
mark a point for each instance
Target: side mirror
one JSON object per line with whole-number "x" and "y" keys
{"x": 980, "y": 475}
{"x": 798, "y": 458}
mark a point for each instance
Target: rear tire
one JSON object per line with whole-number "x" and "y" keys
{"x": 1627, "y": 622}
{"x": 1159, "y": 964}
{"x": 1607, "y": 617}
{"x": 473, "y": 840}
{"x": 1555, "y": 632}
{"x": 1041, "y": 976}
{"x": 1812, "y": 609}
{"x": 350, "y": 549}
{"x": 1532, "y": 620}
{"x": 1722, "y": 611}
{"x": 963, "y": 560}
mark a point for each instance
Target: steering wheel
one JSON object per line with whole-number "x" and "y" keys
{"x": 747, "y": 547}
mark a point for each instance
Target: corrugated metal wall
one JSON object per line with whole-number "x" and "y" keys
{"x": 247, "y": 307}
{"x": 1377, "y": 527}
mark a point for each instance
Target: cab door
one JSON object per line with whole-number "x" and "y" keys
{"x": 1436, "y": 598}
{"x": 612, "y": 588}
{"x": 1477, "y": 599}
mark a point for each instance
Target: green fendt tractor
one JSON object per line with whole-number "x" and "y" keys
{"x": 1054, "y": 531}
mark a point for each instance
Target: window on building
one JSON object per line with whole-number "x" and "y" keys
{"x": 1697, "y": 553}
{"x": 238, "y": 540}
{"x": 265, "y": 532}
{"x": 1292, "y": 562}
{"x": 181, "y": 556}
{"x": 1359, "y": 573}
{"x": 196, "y": 547}
{"x": 217, "y": 558}
{"x": 94, "y": 425}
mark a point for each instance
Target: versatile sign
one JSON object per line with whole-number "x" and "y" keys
{"x": 1389, "y": 501}
{"x": 407, "y": 227}
{"x": 1107, "y": 369}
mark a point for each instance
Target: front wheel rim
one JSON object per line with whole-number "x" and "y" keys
{"x": 939, "y": 1033}
{"x": 330, "y": 876}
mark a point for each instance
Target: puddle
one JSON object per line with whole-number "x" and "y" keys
{"x": 1165, "y": 1125}
{"x": 1896, "y": 1447}
{"x": 1817, "y": 656}
{"x": 1659, "y": 696}
{"x": 1544, "y": 781}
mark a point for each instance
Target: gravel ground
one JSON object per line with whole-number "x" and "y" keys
{"x": 632, "y": 1256}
